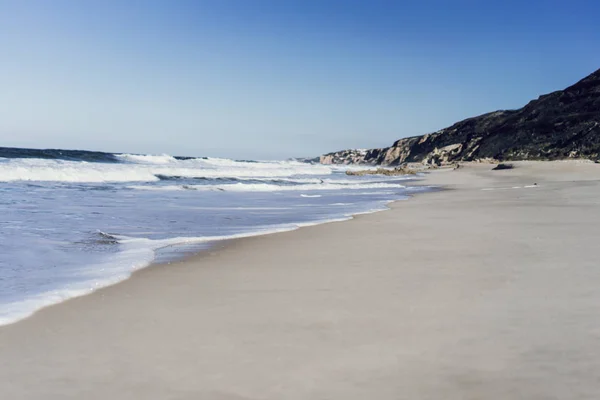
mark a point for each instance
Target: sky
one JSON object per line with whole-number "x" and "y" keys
{"x": 276, "y": 79}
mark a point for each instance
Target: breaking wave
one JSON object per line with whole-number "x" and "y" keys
{"x": 74, "y": 221}
{"x": 146, "y": 158}
{"x": 148, "y": 169}
{"x": 267, "y": 187}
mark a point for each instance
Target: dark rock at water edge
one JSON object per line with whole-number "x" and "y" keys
{"x": 403, "y": 170}
{"x": 502, "y": 166}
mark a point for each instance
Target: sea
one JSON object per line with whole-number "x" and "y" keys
{"x": 74, "y": 221}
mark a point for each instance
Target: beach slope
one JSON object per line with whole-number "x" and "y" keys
{"x": 488, "y": 290}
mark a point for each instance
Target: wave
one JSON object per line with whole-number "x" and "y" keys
{"x": 106, "y": 157}
{"x": 31, "y": 169}
{"x": 275, "y": 180}
{"x": 134, "y": 254}
{"x": 148, "y": 158}
{"x": 57, "y": 154}
{"x": 95, "y": 167}
{"x": 284, "y": 181}
{"x": 267, "y": 187}
{"x": 87, "y": 156}
{"x": 69, "y": 171}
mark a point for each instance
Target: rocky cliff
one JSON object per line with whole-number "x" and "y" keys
{"x": 559, "y": 125}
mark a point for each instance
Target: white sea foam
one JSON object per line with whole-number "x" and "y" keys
{"x": 321, "y": 181}
{"x": 147, "y": 158}
{"x": 265, "y": 187}
{"x": 116, "y": 269}
{"x": 136, "y": 253}
{"x": 71, "y": 171}
{"x": 513, "y": 187}
{"x": 57, "y": 259}
{"x": 146, "y": 169}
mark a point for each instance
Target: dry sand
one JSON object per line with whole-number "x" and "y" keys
{"x": 459, "y": 294}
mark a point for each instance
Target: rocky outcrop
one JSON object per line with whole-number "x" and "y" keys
{"x": 357, "y": 156}
{"x": 563, "y": 124}
{"x": 384, "y": 171}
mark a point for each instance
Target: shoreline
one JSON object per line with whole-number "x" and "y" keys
{"x": 220, "y": 244}
{"x": 466, "y": 293}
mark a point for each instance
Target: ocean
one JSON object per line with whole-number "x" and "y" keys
{"x": 75, "y": 221}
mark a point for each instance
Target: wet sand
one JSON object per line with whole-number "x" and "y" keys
{"x": 488, "y": 290}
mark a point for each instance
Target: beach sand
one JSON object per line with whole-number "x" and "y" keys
{"x": 466, "y": 293}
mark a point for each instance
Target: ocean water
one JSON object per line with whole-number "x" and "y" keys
{"x": 75, "y": 221}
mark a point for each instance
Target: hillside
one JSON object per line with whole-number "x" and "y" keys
{"x": 563, "y": 124}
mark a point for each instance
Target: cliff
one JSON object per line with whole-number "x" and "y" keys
{"x": 563, "y": 124}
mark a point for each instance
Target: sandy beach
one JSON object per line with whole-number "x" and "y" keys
{"x": 487, "y": 290}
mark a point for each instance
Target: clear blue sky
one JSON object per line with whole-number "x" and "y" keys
{"x": 272, "y": 79}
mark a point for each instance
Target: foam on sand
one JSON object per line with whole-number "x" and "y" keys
{"x": 135, "y": 254}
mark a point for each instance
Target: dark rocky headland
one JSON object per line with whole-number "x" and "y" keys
{"x": 561, "y": 125}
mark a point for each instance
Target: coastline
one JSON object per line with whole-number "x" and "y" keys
{"x": 380, "y": 305}
{"x": 199, "y": 247}
{"x": 165, "y": 252}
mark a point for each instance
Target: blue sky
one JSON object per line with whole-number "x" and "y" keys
{"x": 273, "y": 79}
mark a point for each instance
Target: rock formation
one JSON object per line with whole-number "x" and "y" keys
{"x": 383, "y": 171}
{"x": 563, "y": 124}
